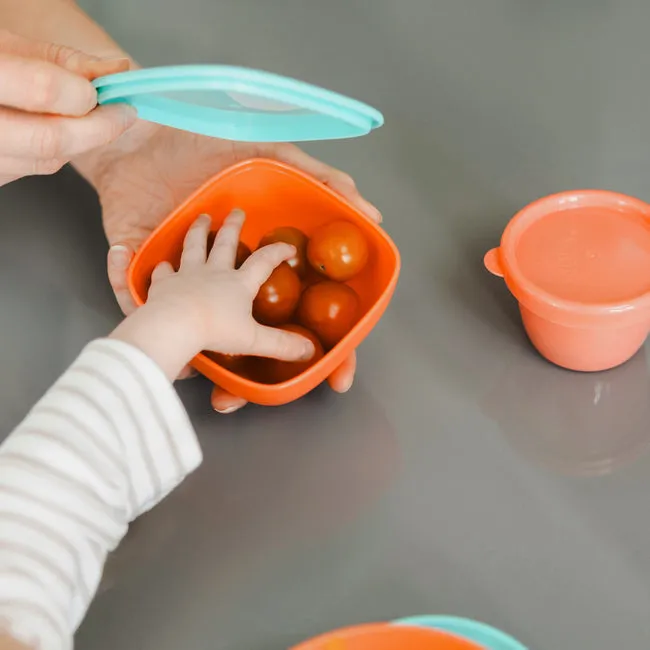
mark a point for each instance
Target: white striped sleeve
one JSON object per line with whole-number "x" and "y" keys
{"x": 107, "y": 442}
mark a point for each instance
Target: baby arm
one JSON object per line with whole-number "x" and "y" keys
{"x": 111, "y": 438}
{"x": 105, "y": 444}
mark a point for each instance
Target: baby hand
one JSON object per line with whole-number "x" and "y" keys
{"x": 207, "y": 304}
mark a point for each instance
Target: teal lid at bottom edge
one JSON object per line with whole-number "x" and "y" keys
{"x": 483, "y": 635}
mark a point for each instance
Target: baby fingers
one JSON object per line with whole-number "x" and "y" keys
{"x": 279, "y": 344}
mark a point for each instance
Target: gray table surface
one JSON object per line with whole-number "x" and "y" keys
{"x": 463, "y": 474}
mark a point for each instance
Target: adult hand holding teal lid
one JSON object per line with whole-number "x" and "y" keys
{"x": 48, "y": 107}
{"x": 154, "y": 168}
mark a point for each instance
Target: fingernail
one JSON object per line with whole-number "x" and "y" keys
{"x": 127, "y": 114}
{"x": 345, "y": 387}
{"x": 116, "y": 59}
{"x": 120, "y": 256}
{"x": 374, "y": 213}
{"x": 226, "y": 411}
{"x": 130, "y": 114}
{"x": 110, "y": 65}
{"x": 309, "y": 351}
{"x": 237, "y": 213}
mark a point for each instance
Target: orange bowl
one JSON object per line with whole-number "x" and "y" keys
{"x": 383, "y": 636}
{"x": 274, "y": 194}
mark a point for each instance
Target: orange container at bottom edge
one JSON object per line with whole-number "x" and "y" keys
{"x": 383, "y": 636}
{"x": 273, "y": 195}
{"x": 579, "y": 265}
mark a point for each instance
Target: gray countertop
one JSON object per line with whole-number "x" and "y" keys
{"x": 462, "y": 474}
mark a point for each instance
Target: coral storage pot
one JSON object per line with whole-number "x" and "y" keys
{"x": 579, "y": 265}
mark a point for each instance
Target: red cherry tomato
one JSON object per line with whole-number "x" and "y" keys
{"x": 243, "y": 251}
{"x": 276, "y": 371}
{"x": 295, "y": 237}
{"x": 278, "y": 297}
{"x": 338, "y": 250}
{"x": 330, "y": 310}
{"x": 256, "y": 370}
{"x": 234, "y": 363}
{"x": 311, "y": 278}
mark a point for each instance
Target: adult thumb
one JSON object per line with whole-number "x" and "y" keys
{"x": 118, "y": 261}
{"x": 75, "y": 61}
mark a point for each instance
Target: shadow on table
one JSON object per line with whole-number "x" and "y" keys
{"x": 272, "y": 479}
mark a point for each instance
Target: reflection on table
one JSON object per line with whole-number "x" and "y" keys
{"x": 574, "y": 423}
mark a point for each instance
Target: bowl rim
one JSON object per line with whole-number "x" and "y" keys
{"x": 534, "y": 297}
{"x": 362, "y": 323}
{"x": 469, "y": 629}
{"x": 343, "y": 636}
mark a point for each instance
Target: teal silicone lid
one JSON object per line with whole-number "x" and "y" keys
{"x": 238, "y": 104}
{"x": 479, "y": 633}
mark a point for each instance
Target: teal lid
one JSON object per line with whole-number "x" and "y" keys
{"x": 238, "y": 104}
{"x": 481, "y": 634}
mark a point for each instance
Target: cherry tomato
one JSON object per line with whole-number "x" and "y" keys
{"x": 276, "y": 371}
{"x": 330, "y": 310}
{"x": 277, "y": 299}
{"x": 311, "y": 278}
{"x": 295, "y": 237}
{"x": 243, "y": 251}
{"x": 234, "y": 363}
{"x": 256, "y": 370}
{"x": 338, "y": 250}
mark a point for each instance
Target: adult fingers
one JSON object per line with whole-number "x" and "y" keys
{"x": 340, "y": 381}
{"x": 259, "y": 266}
{"x": 91, "y": 68}
{"x": 339, "y": 181}
{"x": 13, "y": 168}
{"x": 79, "y": 63}
{"x": 275, "y": 343}
{"x": 119, "y": 258}
{"x": 61, "y": 138}
{"x": 224, "y": 250}
{"x": 224, "y": 402}
{"x": 195, "y": 246}
{"x": 342, "y": 378}
{"x": 42, "y": 87}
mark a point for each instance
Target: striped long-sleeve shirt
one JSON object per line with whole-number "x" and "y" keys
{"x": 107, "y": 442}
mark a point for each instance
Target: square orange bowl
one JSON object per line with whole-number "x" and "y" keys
{"x": 274, "y": 194}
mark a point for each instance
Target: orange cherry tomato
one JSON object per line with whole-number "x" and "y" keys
{"x": 277, "y": 299}
{"x": 338, "y": 250}
{"x": 330, "y": 310}
{"x": 295, "y": 237}
{"x": 243, "y": 251}
{"x": 276, "y": 371}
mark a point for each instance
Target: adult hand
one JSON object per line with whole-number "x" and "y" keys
{"x": 156, "y": 168}
{"x": 48, "y": 110}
